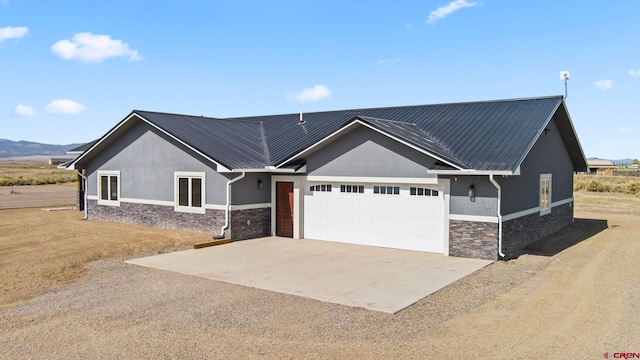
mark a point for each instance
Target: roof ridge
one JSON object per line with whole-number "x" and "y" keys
{"x": 200, "y": 116}
{"x": 386, "y": 120}
{"x": 357, "y": 111}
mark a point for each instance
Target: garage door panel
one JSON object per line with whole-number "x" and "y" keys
{"x": 389, "y": 220}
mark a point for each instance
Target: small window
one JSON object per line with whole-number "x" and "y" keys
{"x": 190, "y": 192}
{"x": 322, "y": 188}
{"x": 388, "y": 190}
{"x": 416, "y": 191}
{"x": 352, "y": 189}
{"x": 109, "y": 187}
{"x": 545, "y": 194}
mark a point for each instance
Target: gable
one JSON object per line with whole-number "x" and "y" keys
{"x": 363, "y": 152}
{"x": 147, "y": 160}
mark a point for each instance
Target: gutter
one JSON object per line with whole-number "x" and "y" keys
{"x": 86, "y": 186}
{"x": 228, "y": 205}
{"x": 495, "y": 183}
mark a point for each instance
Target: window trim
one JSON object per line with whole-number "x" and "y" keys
{"x": 545, "y": 178}
{"x": 109, "y": 173}
{"x": 176, "y": 191}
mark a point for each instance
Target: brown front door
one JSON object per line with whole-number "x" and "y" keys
{"x": 284, "y": 209}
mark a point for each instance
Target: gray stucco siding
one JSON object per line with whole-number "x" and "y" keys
{"x": 246, "y": 191}
{"x": 363, "y": 152}
{"x": 485, "y": 202}
{"x": 147, "y": 160}
{"x": 548, "y": 156}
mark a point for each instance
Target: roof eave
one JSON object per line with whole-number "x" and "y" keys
{"x": 267, "y": 169}
{"x": 475, "y": 172}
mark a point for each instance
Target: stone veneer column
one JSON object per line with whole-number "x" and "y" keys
{"x": 472, "y": 239}
{"x": 250, "y": 224}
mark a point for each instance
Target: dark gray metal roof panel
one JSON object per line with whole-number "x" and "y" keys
{"x": 413, "y": 135}
{"x": 234, "y": 144}
{"x": 84, "y": 147}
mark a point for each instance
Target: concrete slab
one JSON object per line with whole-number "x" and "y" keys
{"x": 379, "y": 279}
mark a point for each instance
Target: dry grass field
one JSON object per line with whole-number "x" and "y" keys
{"x": 33, "y": 173}
{"x": 66, "y": 293}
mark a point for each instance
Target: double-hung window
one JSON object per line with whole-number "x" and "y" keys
{"x": 109, "y": 188}
{"x": 545, "y": 194}
{"x": 189, "y": 192}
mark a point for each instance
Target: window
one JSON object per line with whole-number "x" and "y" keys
{"x": 109, "y": 188}
{"x": 545, "y": 194}
{"x": 388, "y": 190}
{"x": 416, "y": 191}
{"x": 190, "y": 192}
{"x": 322, "y": 188}
{"x": 352, "y": 189}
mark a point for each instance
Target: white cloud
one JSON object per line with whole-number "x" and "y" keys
{"x": 446, "y": 10}
{"x": 24, "y": 111}
{"x": 388, "y": 61}
{"x": 11, "y": 32}
{"x": 93, "y": 48}
{"x": 311, "y": 94}
{"x": 64, "y": 106}
{"x": 634, "y": 72}
{"x": 604, "y": 84}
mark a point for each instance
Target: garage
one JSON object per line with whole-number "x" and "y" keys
{"x": 401, "y": 216}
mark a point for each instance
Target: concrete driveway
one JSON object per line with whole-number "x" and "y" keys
{"x": 374, "y": 278}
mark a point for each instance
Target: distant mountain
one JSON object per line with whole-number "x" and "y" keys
{"x": 616, "y": 162}
{"x": 9, "y": 148}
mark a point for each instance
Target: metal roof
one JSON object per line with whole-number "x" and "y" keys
{"x": 488, "y": 135}
{"x": 237, "y": 144}
{"x": 83, "y": 147}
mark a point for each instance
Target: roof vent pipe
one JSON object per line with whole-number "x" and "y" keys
{"x": 301, "y": 121}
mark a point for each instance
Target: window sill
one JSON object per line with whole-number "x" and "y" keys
{"x": 191, "y": 210}
{"x": 108, "y": 203}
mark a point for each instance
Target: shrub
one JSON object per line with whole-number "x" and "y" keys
{"x": 596, "y": 186}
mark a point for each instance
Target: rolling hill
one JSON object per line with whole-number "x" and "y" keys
{"x": 9, "y": 148}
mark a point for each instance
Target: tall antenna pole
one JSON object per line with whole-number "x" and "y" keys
{"x": 564, "y": 75}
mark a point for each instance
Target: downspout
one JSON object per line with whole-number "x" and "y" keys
{"x": 228, "y": 205}
{"x": 86, "y": 185}
{"x": 495, "y": 183}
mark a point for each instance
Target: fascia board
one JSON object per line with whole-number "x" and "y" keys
{"x": 354, "y": 123}
{"x": 535, "y": 139}
{"x": 475, "y": 172}
{"x": 575, "y": 135}
{"x": 72, "y": 166}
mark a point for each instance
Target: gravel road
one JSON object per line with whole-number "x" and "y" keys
{"x": 575, "y": 302}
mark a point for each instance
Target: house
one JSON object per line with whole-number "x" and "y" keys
{"x": 478, "y": 179}
{"x": 600, "y": 166}
{"x": 70, "y": 155}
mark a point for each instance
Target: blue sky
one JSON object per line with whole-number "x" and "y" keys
{"x": 71, "y": 70}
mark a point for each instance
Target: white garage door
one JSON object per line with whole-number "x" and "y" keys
{"x": 408, "y": 217}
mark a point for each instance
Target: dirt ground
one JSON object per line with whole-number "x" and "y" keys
{"x": 66, "y": 293}
{"x": 15, "y": 197}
